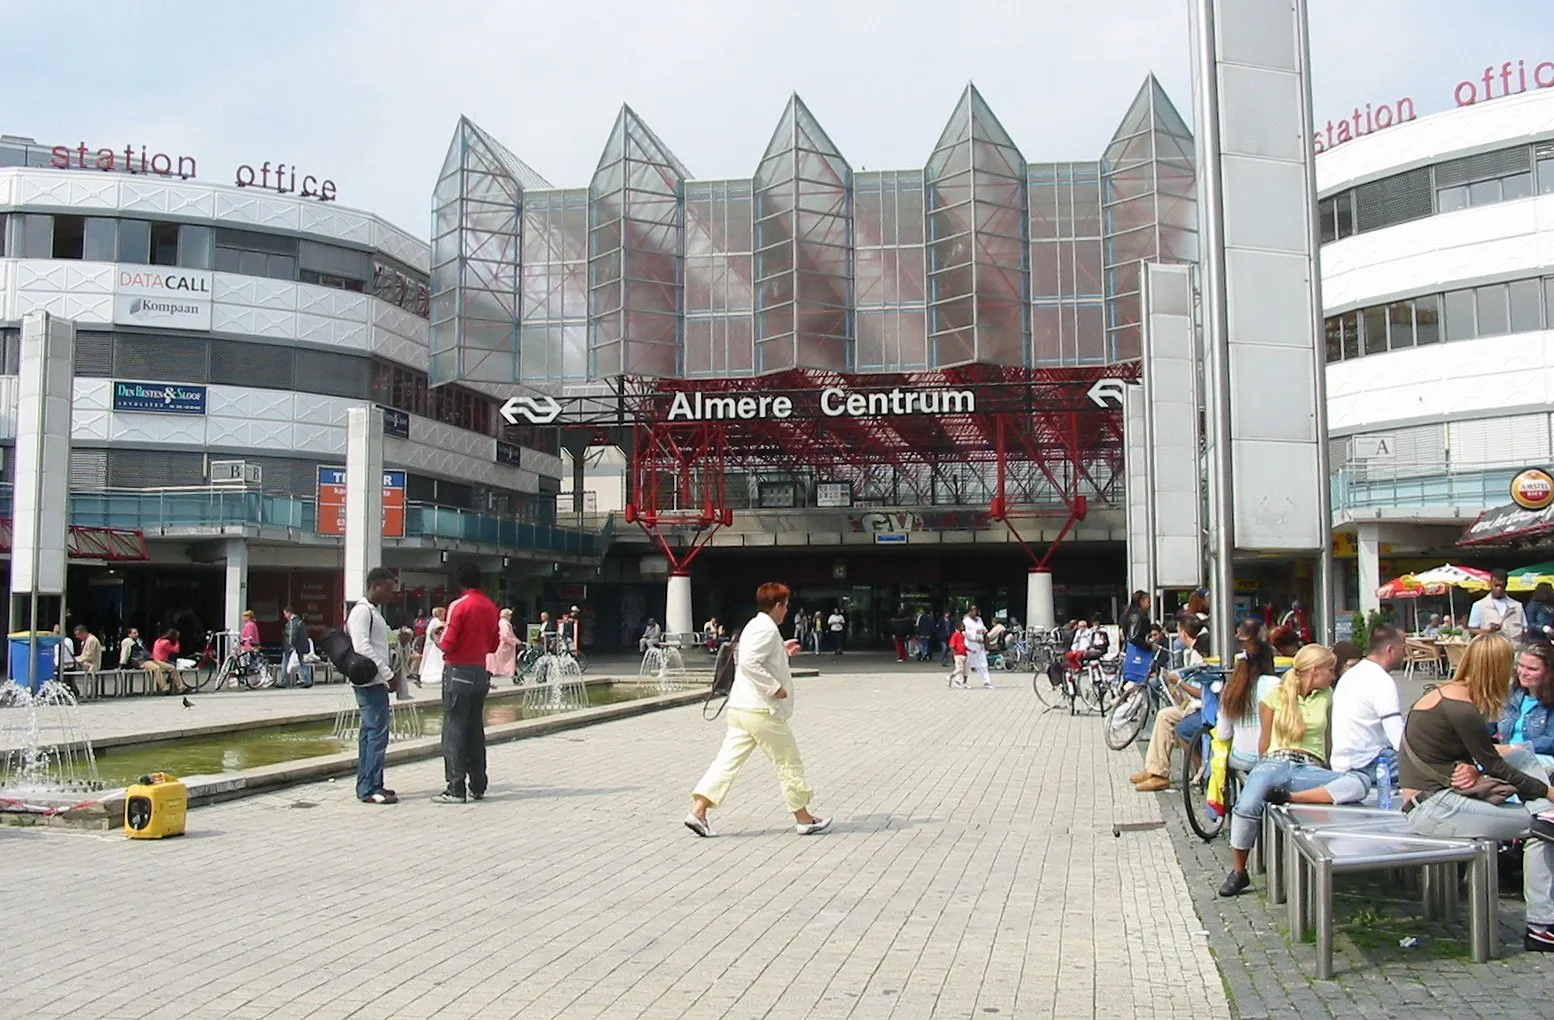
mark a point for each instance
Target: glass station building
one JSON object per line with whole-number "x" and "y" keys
{"x": 980, "y": 269}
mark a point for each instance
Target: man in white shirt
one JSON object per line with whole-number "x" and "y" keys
{"x": 1497, "y": 611}
{"x": 1367, "y": 720}
{"x": 837, "y": 625}
{"x": 760, "y": 703}
{"x": 369, "y": 638}
{"x": 976, "y": 645}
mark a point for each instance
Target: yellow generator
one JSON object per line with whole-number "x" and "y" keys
{"x": 155, "y": 807}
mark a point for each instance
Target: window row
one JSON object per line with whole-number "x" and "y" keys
{"x": 1481, "y": 179}
{"x": 227, "y": 250}
{"x": 1497, "y": 309}
{"x": 409, "y": 389}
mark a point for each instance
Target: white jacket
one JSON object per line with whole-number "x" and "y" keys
{"x": 761, "y": 670}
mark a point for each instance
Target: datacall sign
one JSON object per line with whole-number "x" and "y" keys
{"x": 1533, "y": 489}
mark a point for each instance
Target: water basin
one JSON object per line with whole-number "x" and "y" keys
{"x": 246, "y": 749}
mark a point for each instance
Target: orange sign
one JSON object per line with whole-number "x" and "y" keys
{"x": 1533, "y": 489}
{"x": 331, "y": 503}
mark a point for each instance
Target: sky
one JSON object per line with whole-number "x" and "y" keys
{"x": 366, "y": 93}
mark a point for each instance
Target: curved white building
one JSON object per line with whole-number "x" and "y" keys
{"x": 1438, "y": 290}
{"x": 221, "y": 323}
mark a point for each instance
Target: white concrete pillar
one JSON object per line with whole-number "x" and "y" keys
{"x": 237, "y": 586}
{"x": 1368, "y": 565}
{"x": 677, "y": 606}
{"x": 363, "y": 497}
{"x": 1039, "y": 610}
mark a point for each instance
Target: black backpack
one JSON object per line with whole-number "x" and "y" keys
{"x": 723, "y": 669}
{"x": 337, "y": 647}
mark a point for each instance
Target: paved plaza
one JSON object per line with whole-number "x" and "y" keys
{"x": 973, "y": 871}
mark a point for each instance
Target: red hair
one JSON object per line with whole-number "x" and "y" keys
{"x": 769, "y": 595}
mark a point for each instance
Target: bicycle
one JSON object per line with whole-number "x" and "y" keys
{"x": 1197, "y": 764}
{"x": 249, "y": 668}
{"x": 1137, "y": 705}
{"x": 1051, "y": 688}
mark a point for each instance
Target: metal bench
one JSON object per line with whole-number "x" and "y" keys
{"x": 1317, "y": 855}
{"x": 1281, "y": 820}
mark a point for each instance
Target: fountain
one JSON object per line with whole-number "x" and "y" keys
{"x": 405, "y": 722}
{"x": 558, "y": 686}
{"x": 667, "y": 666}
{"x": 43, "y": 743}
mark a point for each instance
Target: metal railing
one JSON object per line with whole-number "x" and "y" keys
{"x": 154, "y": 510}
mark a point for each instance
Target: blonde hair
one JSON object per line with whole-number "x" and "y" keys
{"x": 1289, "y": 727}
{"x": 1486, "y": 672}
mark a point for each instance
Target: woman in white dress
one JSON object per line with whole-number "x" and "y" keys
{"x": 431, "y": 655}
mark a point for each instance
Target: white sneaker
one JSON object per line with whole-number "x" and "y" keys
{"x": 699, "y": 827}
{"x": 987, "y": 685}
{"x": 814, "y": 828}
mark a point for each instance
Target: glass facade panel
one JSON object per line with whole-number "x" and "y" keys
{"x": 1493, "y": 312}
{"x": 1400, "y": 325}
{"x": 1374, "y": 324}
{"x": 135, "y": 241}
{"x": 1458, "y": 306}
{"x": 977, "y": 258}
{"x": 1526, "y": 300}
{"x": 37, "y": 236}
{"x": 1451, "y": 199}
{"x": 1427, "y": 320}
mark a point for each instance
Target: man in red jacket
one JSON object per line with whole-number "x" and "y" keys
{"x": 471, "y": 635}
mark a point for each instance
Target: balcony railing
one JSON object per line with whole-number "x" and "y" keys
{"x": 1363, "y": 488}
{"x": 208, "y": 507}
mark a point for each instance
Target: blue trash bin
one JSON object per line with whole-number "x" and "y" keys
{"x": 18, "y": 666}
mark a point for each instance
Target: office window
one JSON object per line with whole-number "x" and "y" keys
{"x": 69, "y": 237}
{"x": 194, "y": 246}
{"x": 1484, "y": 192}
{"x": 1459, "y": 315}
{"x": 102, "y": 239}
{"x": 1494, "y": 317}
{"x": 1375, "y": 326}
{"x": 1400, "y": 325}
{"x": 1546, "y": 170}
{"x": 1427, "y": 320}
{"x": 1451, "y": 199}
{"x": 164, "y": 244}
{"x": 1526, "y": 300}
{"x": 1343, "y": 212}
{"x": 1515, "y": 186}
{"x": 1350, "y": 323}
{"x": 1335, "y": 338}
{"x": 2, "y": 234}
{"x": 135, "y": 242}
{"x": 1548, "y": 298}
{"x": 37, "y": 236}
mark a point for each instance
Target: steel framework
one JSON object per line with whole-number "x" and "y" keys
{"x": 1037, "y": 442}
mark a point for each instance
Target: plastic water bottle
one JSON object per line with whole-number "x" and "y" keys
{"x": 1384, "y": 785}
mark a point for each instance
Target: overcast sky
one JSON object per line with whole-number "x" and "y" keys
{"x": 366, "y": 92}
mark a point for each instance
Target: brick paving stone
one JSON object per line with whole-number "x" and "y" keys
{"x": 973, "y": 872}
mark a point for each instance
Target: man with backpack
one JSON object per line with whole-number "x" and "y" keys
{"x": 368, "y": 633}
{"x": 760, "y": 703}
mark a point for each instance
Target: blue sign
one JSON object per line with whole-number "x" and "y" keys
{"x": 158, "y": 398}
{"x": 890, "y": 538}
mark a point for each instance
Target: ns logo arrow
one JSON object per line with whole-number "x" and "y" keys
{"x": 540, "y": 410}
{"x": 1105, "y": 391}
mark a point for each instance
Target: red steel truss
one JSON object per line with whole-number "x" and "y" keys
{"x": 1040, "y": 424}
{"x": 115, "y": 545}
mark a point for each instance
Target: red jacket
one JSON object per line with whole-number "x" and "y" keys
{"x": 958, "y": 643}
{"x": 472, "y": 630}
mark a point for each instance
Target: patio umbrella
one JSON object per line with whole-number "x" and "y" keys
{"x": 1529, "y": 577}
{"x": 1455, "y": 577}
{"x": 1408, "y": 587}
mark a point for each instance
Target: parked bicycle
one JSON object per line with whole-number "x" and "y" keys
{"x": 1137, "y": 704}
{"x": 1205, "y": 819}
{"x": 250, "y": 668}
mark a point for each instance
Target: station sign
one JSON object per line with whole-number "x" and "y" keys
{"x": 832, "y": 402}
{"x": 331, "y": 502}
{"x": 396, "y": 423}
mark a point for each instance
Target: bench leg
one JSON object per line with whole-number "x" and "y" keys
{"x": 1278, "y": 852}
{"x": 1484, "y": 902}
{"x": 1295, "y": 892}
{"x": 1429, "y": 888}
{"x": 1322, "y": 904}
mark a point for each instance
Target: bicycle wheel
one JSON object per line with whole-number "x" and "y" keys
{"x": 1040, "y": 658}
{"x": 261, "y": 676}
{"x": 1126, "y": 720}
{"x": 1048, "y": 693}
{"x": 1091, "y": 691}
{"x": 1204, "y": 820}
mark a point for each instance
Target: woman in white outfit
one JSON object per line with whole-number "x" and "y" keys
{"x": 431, "y": 654}
{"x": 976, "y": 645}
{"x": 759, "y": 706}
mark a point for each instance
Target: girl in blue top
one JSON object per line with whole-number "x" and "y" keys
{"x": 1528, "y": 717}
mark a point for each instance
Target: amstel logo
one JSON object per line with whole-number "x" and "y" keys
{"x": 1533, "y": 489}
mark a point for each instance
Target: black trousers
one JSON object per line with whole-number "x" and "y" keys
{"x": 464, "y": 690}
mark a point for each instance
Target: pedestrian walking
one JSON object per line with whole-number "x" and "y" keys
{"x": 369, "y": 638}
{"x": 470, "y": 636}
{"x": 957, "y": 647}
{"x": 503, "y": 660}
{"x": 295, "y": 670}
{"x": 924, "y": 629}
{"x": 760, "y": 704}
{"x": 836, "y": 623}
{"x": 975, "y": 632}
{"x": 943, "y": 628}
